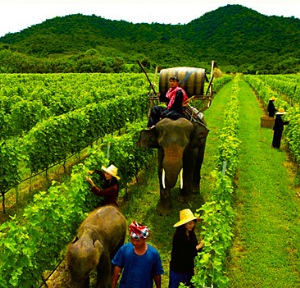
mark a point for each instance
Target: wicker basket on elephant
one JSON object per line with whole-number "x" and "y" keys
{"x": 190, "y": 79}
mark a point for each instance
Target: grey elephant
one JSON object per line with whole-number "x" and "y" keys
{"x": 99, "y": 237}
{"x": 181, "y": 146}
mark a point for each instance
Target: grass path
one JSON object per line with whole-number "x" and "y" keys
{"x": 266, "y": 248}
{"x": 265, "y": 251}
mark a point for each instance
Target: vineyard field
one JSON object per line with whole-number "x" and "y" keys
{"x": 64, "y": 114}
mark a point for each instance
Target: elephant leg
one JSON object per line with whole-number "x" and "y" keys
{"x": 86, "y": 282}
{"x": 165, "y": 205}
{"x": 104, "y": 272}
{"x": 197, "y": 169}
{"x": 189, "y": 160}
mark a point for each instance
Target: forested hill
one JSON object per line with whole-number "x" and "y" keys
{"x": 238, "y": 38}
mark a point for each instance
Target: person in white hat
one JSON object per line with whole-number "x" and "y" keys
{"x": 278, "y": 128}
{"x": 110, "y": 190}
{"x": 184, "y": 250}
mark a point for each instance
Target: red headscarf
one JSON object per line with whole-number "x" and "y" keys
{"x": 138, "y": 231}
{"x": 171, "y": 94}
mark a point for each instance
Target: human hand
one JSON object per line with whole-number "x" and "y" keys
{"x": 200, "y": 245}
{"x": 90, "y": 180}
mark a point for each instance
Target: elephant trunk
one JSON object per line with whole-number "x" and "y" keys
{"x": 171, "y": 165}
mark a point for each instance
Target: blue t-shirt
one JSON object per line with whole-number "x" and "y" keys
{"x": 138, "y": 270}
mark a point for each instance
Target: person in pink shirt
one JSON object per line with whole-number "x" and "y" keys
{"x": 176, "y": 97}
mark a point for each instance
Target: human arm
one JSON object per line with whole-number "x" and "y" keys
{"x": 157, "y": 281}
{"x": 200, "y": 245}
{"x": 112, "y": 190}
{"x": 88, "y": 179}
{"x": 100, "y": 173}
{"x": 116, "y": 275}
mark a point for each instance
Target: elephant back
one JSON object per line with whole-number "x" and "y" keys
{"x": 190, "y": 79}
{"x": 108, "y": 223}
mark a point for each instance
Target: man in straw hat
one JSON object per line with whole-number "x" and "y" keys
{"x": 139, "y": 262}
{"x": 278, "y": 128}
{"x": 110, "y": 190}
{"x": 184, "y": 249}
{"x": 271, "y": 107}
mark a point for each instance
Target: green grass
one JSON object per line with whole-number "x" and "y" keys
{"x": 265, "y": 251}
{"x": 144, "y": 196}
{"x": 141, "y": 206}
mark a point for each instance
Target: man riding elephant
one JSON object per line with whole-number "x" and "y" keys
{"x": 181, "y": 146}
{"x": 175, "y": 98}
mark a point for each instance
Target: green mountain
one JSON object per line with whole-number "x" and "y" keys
{"x": 238, "y": 38}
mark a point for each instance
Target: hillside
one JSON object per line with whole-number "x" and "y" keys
{"x": 238, "y": 38}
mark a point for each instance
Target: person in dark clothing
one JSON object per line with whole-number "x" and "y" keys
{"x": 175, "y": 98}
{"x": 184, "y": 250}
{"x": 271, "y": 107}
{"x": 110, "y": 190}
{"x": 278, "y": 128}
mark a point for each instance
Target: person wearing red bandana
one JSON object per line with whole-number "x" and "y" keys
{"x": 137, "y": 261}
{"x": 175, "y": 97}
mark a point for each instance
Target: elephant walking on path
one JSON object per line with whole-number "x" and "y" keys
{"x": 98, "y": 239}
{"x": 181, "y": 146}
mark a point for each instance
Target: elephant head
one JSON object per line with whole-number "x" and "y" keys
{"x": 180, "y": 145}
{"x": 82, "y": 257}
{"x": 98, "y": 238}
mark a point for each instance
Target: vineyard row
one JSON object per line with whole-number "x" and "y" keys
{"x": 292, "y": 131}
{"x": 51, "y": 220}
{"x": 53, "y": 140}
{"x": 217, "y": 213}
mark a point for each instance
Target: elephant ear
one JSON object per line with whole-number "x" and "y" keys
{"x": 148, "y": 138}
{"x": 98, "y": 252}
{"x": 198, "y": 136}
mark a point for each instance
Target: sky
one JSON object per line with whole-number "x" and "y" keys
{"x": 16, "y": 15}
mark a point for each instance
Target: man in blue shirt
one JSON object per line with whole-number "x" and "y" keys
{"x": 137, "y": 261}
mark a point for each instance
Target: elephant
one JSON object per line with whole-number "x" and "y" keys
{"x": 181, "y": 145}
{"x": 98, "y": 239}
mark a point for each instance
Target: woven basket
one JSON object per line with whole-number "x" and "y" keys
{"x": 267, "y": 122}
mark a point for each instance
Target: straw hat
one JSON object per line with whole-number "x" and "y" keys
{"x": 185, "y": 216}
{"x": 111, "y": 170}
{"x": 281, "y": 111}
{"x": 272, "y": 98}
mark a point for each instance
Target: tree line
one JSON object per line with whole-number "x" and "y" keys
{"x": 238, "y": 38}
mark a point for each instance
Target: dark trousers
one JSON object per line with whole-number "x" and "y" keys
{"x": 276, "y": 139}
{"x": 159, "y": 112}
{"x": 155, "y": 115}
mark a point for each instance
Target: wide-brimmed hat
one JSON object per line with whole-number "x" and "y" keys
{"x": 185, "y": 216}
{"x": 111, "y": 170}
{"x": 281, "y": 111}
{"x": 272, "y": 98}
